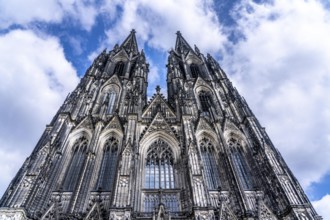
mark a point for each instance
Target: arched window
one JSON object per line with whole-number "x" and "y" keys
{"x": 240, "y": 165}
{"x": 211, "y": 169}
{"x": 182, "y": 69}
{"x": 119, "y": 68}
{"x": 159, "y": 166}
{"x": 76, "y": 164}
{"x": 205, "y": 100}
{"x": 194, "y": 69}
{"x": 112, "y": 101}
{"x": 108, "y": 165}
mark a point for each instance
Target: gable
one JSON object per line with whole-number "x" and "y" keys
{"x": 114, "y": 124}
{"x": 158, "y": 104}
{"x": 191, "y": 57}
{"x": 158, "y": 124}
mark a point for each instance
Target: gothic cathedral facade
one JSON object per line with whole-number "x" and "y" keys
{"x": 200, "y": 153}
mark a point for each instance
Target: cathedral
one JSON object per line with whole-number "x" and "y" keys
{"x": 198, "y": 153}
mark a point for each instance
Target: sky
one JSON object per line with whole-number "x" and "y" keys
{"x": 277, "y": 54}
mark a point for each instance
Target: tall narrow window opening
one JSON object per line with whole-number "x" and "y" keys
{"x": 159, "y": 166}
{"x": 182, "y": 69}
{"x": 119, "y": 68}
{"x": 211, "y": 169}
{"x": 240, "y": 165}
{"x": 205, "y": 100}
{"x": 194, "y": 69}
{"x": 108, "y": 165}
{"x": 76, "y": 164}
{"x": 112, "y": 101}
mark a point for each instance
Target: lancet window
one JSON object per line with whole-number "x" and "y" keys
{"x": 111, "y": 101}
{"x": 182, "y": 69}
{"x": 159, "y": 166}
{"x": 211, "y": 169}
{"x": 76, "y": 164}
{"x": 108, "y": 165}
{"x": 119, "y": 68}
{"x": 194, "y": 69}
{"x": 205, "y": 100}
{"x": 240, "y": 165}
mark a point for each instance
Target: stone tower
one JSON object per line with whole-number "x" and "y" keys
{"x": 109, "y": 153}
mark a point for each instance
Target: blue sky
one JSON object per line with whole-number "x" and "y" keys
{"x": 277, "y": 53}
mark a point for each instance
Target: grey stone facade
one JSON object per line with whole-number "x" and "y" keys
{"x": 109, "y": 153}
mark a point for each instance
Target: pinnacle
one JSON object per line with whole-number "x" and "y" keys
{"x": 181, "y": 44}
{"x": 130, "y": 43}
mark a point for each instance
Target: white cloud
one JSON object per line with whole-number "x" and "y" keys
{"x": 54, "y": 11}
{"x": 10, "y": 164}
{"x": 282, "y": 67}
{"x": 35, "y": 78}
{"x": 156, "y": 24}
{"x": 322, "y": 207}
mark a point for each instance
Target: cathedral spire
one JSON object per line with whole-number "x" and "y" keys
{"x": 181, "y": 45}
{"x": 130, "y": 44}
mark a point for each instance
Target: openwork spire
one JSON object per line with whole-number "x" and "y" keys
{"x": 181, "y": 45}
{"x": 130, "y": 44}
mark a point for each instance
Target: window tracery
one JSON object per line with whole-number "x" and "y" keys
{"x": 108, "y": 165}
{"x": 240, "y": 165}
{"x": 111, "y": 102}
{"x": 119, "y": 68}
{"x": 194, "y": 69}
{"x": 205, "y": 100}
{"x": 211, "y": 169}
{"x": 77, "y": 161}
{"x": 159, "y": 174}
{"x": 159, "y": 166}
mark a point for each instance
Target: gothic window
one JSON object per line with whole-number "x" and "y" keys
{"x": 194, "y": 69}
{"x": 150, "y": 202}
{"x": 170, "y": 200}
{"x": 76, "y": 164}
{"x": 211, "y": 170}
{"x": 132, "y": 68}
{"x": 111, "y": 102}
{"x": 159, "y": 166}
{"x": 240, "y": 165}
{"x": 119, "y": 68}
{"x": 108, "y": 165}
{"x": 182, "y": 69}
{"x": 205, "y": 100}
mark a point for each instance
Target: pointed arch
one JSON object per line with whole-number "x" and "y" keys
{"x": 232, "y": 132}
{"x": 108, "y": 133}
{"x": 239, "y": 162}
{"x": 205, "y": 100}
{"x": 204, "y": 96}
{"x": 119, "y": 68}
{"x": 194, "y": 70}
{"x": 110, "y": 96}
{"x": 74, "y": 169}
{"x": 159, "y": 172}
{"x": 209, "y": 156}
{"x": 152, "y": 137}
{"x": 109, "y": 163}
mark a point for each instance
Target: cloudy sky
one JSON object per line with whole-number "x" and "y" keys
{"x": 277, "y": 53}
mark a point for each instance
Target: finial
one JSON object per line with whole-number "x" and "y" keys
{"x": 157, "y": 89}
{"x": 133, "y": 31}
{"x": 178, "y": 33}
